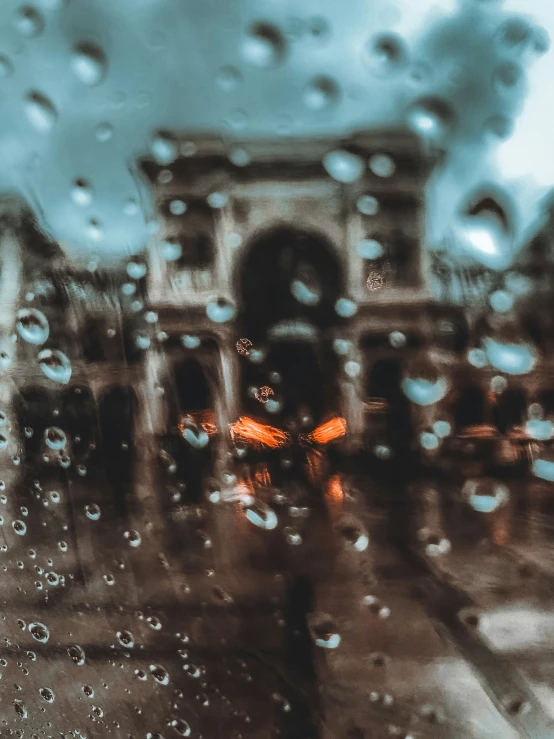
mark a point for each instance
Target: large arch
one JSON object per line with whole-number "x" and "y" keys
{"x": 288, "y": 274}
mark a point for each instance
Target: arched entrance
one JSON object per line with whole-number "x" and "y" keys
{"x": 290, "y": 283}
{"x": 288, "y": 275}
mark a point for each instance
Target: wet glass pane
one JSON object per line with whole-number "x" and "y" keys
{"x": 276, "y": 391}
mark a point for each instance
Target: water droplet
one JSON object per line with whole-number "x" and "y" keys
{"x": 539, "y": 429}
{"x": 77, "y": 654}
{"x": 126, "y": 639}
{"x": 220, "y": 310}
{"x": 177, "y": 207}
{"x": 386, "y": 54}
{"x": 159, "y": 674}
{"x": 485, "y": 495}
{"x": 501, "y": 301}
{"x": 352, "y": 369}
{"x": 97, "y": 711}
{"x": 243, "y": 346}
{"x": 442, "y": 429}
{"x": 32, "y": 326}
{"x": 367, "y": 205}
{"x": 513, "y": 359}
{"x": 345, "y": 308}
{"x": 197, "y": 439}
{"x": 263, "y": 46}
{"x": 477, "y": 358}
{"x": 20, "y": 709}
{"x": 81, "y": 192}
{"x": 543, "y": 468}
{"x": 507, "y": 76}
{"x": 55, "y": 365}
{"x": 136, "y": 270}
{"x": 93, "y": 511}
{"x": 171, "y": 250}
{"x": 382, "y": 165}
{"x": 39, "y": 632}
{"x": 163, "y": 147}
{"x": 260, "y": 514}
{"x": 424, "y": 392}
{"x": 104, "y": 132}
{"x": 133, "y": 537}
{"x": 88, "y": 690}
{"x": 514, "y": 32}
{"x": 181, "y": 727}
{"x": 353, "y": 534}
{"x": 28, "y": 21}
{"x": 20, "y": 527}
{"x": 431, "y": 118}
{"x": 320, "y": 93}
{"x": 88, "y": 63}
{"x": 217, "y": 199}
{"x": 154, "y": 623}
{"x": 429, "y": 441}
{"x": 53, "y": 578}
{"x": 305, "y": 286}
{"x": 323, "y": 631}
{"x": 40, "y": 111}
{"x": 228, "y": 79}
{"x": 343, "y": 166}
{"x": 341, "y": 347}
{"x": 55, "y": 438}
{"x": 370, "y": 249}
{"x": 47, "y": 695}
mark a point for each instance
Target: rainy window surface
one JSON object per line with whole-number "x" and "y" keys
{"x": 276, "y": 401}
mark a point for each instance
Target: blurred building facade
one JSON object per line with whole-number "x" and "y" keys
{"x": 135, "y": 400}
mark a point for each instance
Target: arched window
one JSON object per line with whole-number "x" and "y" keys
{"x": 189, "y": 228}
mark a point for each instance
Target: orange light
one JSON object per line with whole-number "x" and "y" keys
{"x": 376, "y": 405}
{"x": 334, "y": 490}
{"x": 205, "y": 419}
{"x": 246, "y": 429}
{"x": 333, "y": 429}
{"x": 315, "y": 461}
{"x": 262, "y": 477}
{"x": 479, "y": 431}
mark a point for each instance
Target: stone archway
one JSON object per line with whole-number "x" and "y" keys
{"x": 289, "y": 275}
